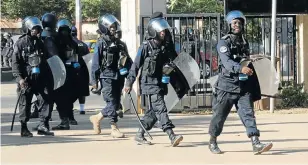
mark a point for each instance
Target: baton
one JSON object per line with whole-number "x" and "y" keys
{"x": 270, "y": 96}
{"x": 131, "y": 99}
{"x": 22, "y": 91}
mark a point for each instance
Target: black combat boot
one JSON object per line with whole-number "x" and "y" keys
{"x": 72, "y": 119}
{"x": 24, "y": 130}
{"x": 259, "y": 147}
{"x": 43, "y": 129}
{"x": 46, "y": 125}
{"x": 175, "y": 139}
{"x": 35, "y": 128}
{"x": 140, "y": 139}
{"x": 64, "y": 125}
{"x": 120, "y": 113}
{"x": 213, "y": 146}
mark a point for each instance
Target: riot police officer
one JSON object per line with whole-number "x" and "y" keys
{"x": 49, "y": 37}
{"x": 84, "y": 50}
{"x": 75, "y": 84}
{"x": 7, "y": 50}
{"x": 235, "y": 85}
{"x": 49, "y": 22}
{"x": 30, "y": 68}
{"x": 3, "y": 43}
{"x": 112, "y": 62}
{"x": 153, "y": 56}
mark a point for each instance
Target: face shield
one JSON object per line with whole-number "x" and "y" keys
{"x": 160, "y": 24}
{"x": 156, "y": 26}
{"x": 64, "y": 23}
{"x": 109, "y": 23}
{"x": 34, "y": 25}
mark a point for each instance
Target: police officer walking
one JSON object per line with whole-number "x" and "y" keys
{"x": 29, "y": 66}
{"x": 235, "y": 85}
{"x": 152, "y": 56}
{"x": 74, "y": 85}
{"x": 111, "y": 60}
{"x": 7, "y": 50}
{"x": 84, "y": 50}
{"x": 49, "y": 38}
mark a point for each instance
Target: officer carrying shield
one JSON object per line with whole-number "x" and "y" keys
{"x": 155, "y": 60}
{"x": 84, "y": 50}
{"x": 112, "y": 62}
{"x": 49, "y": 38}
{"x": 235, "y": 85}
{"x": 29, "y": 66}
{"x": 66, "y": 95}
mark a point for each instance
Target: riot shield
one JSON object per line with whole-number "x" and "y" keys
{"x": 267, "y": 76}
{"x": 266, "y": 73}
{"x": 88, "y": 60}
{"x": 58, "y": 71}
{"x": 187, "y": 74}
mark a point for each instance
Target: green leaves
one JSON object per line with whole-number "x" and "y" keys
{"x": 91, "y": 9}
{"x": 293, "y": 96}
{"x": 21, "y": 8}
{"x": 195, "y": 6}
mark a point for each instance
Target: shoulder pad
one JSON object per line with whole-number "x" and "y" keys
{"x": 225, "y": 37}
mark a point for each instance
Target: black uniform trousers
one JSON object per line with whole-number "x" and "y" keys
{"x": 222, "y": 105}
{"x": 111, "y": 91}
{"x": 43, "y": 102}
{"x": 65, "y": 96}
{"x": 156, "y": 111}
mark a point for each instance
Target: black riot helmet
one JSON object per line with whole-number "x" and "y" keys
{"x": 64, "y": 24}
{"x": 157, "y": 25}
{"x": 49, "y": 21}
{"x": 29, "y": 23}
{"x": 105, "y": 23}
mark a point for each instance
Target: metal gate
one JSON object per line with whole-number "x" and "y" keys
{"x": 198, "y": 35}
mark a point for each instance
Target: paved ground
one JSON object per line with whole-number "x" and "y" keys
{"x": 288, "y": 132}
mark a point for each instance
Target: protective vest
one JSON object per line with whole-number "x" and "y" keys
{"x": 112, "y": 56}
{"x": 32, "y": 57}
{"x": 151, "y": 61}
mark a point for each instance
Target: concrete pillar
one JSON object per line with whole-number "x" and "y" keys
{"x": 78, "y": 19}
{"x": 302, "y": 49}
{"x": 266, "y": 35}
{"x": 130, "y": 21}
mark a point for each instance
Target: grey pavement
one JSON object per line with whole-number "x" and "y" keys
{"x": 80, "y": 145}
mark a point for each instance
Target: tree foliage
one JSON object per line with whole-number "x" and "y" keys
{"x": 14, "y": 9}
{"x": 91, "y": 9}
{"x": 195, "y": 6}
{"x": 22, "y": 8}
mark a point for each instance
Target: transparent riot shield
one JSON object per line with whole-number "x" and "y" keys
{"x": 58, "y": 71}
